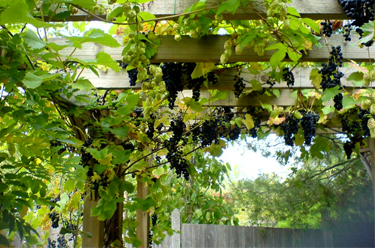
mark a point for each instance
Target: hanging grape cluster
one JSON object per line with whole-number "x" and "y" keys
{"x": 327, "y": 28}
{"x": 172, "y": 77}
{"x": 53, "y": 215}
{"x": 288, "y": 76}
{"x": 132, "y": 74}
{"x": 60, "y": 243}
{"x": 338, "y": 101}
{"x": 361, "y": 12}
{"x": 175, "y": 156}
{"x": 56, "y": 143}
{"x": 150, "y": 127}
{"x": 210, "y": 132}
{"x": 239, "y": 85}
{"x": 308, "y": 123}
{"x": 194, "y": 84}
{"x": 354, "y": 124}
{"x": 331, "y": 76}
{"x": 176, "y": 75}
{"x": 256, "y": 115}
{"x": 290, "y": 128}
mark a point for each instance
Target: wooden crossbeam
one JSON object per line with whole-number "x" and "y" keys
{"x": 210, "y": 48}
{"x": 119, "y": 80}
{"x": 317, "y": 9}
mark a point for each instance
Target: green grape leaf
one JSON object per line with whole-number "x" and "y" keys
{"x": 248, "y": 121}
{"x": 105, "y": 209}
{"x": 32, "y": 40}
{"x": 83, "y": 84}
{"x": 120, "y": 132}
{"x": 145, "y": 16}
{"x": 127, "y": 186}
{"x": 93, "y": 35}
{"x": 32, "y": 81}
{"x": 98, "y": 155}
{"x": 357, "y": 78}
{"x": 63, "y": 15}
{"x": 115, "y": 13}
{"x": 18, "y": 12}
{"x": 348, "y": 102}
{"x": 328, "y": 109}
{"x": 202, "y": 69}
{"x": 98, "y": 168}
{"x": 256, "y": 85}
{"x": 145, "y": 204}
{"x": 120, "y": 155}
{"x": 83, "y": 3}
{"x": 215, "y": 150}
{"x": 277, "y": 57}
{"x": 316, "y": 78}
{"x": 299, "y": 138}
{"x": 218, "y": 95}
{"x": 330, "y": 93}
{"x": 105, "y": 59}
{"x": 230, "y": 6}
{"x": 293, "y": 11}
{"x": 194, "y": 105}
{"x": 312, "y": 24}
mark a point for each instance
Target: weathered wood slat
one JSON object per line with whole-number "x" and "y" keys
{"x": 317, "y": 9}
{"x": 201, "y": 235}
{"x": 119, "y": 80}
{"x": 210, "y": 48}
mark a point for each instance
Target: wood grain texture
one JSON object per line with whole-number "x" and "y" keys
{"x": 204, "y": 236}
{"x": 119, "y": 80}
{"x": 317, "y": 9}
{"x": 143, "y": 218}
{"x": 210, "y": 48}
{"x": 93, "y": 226}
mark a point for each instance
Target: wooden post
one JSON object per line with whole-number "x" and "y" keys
{"x": 372, "y": 162}
{"x": 93, "y": 226}
{"x": 176, "y": 226}
{"x": 143, "y": 218}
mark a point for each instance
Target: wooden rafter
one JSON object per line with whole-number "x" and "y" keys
{"x": 210, "y": 48}
{"x": 317, "y": 9}
{"x": 119, "y": 80}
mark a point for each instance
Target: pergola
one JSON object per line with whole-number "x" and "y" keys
{"x": 208, "y": 49}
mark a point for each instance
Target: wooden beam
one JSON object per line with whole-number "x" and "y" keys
{"x": 253, "y": 99}
{"x": 210, "y": 48}
{"x": 317, "y": 9}
{"x": 119, "y": 80}
{"x": 143, "y": 218}
{"x": 93, "y": 229}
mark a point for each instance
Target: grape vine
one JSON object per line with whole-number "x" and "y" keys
{"x": 360, "y": 12}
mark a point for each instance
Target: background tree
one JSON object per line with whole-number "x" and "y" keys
{"x": 313, "y": 186}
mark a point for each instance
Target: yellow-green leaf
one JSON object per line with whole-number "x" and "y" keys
{"x": 248, "y": 121}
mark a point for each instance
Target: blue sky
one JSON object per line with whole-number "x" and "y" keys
{"x": 246, "y": 163}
